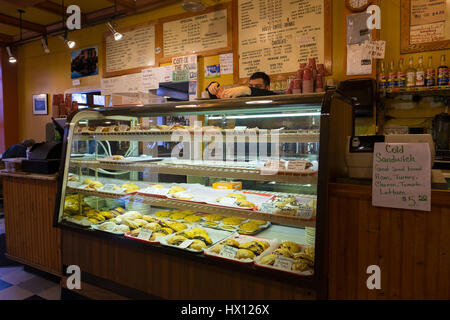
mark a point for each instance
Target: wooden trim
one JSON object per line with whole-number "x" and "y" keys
{"x": 33, "y": 265}
{"x": 127, "y": 71}
{"x": 328, "y": 45}
{"x": 229, "y": 48}
{"x": 405, "y": 26}
{"x": 27, "y": 175}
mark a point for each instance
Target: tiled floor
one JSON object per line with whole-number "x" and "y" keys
{"x": 18, "y": 284}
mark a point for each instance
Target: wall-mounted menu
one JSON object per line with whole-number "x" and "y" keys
{"x": 198, "y": 33}
{"x": 275, "y": 35}
{"x": 135, "y": 50}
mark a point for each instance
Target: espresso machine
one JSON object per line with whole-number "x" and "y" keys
{"x": 441, "y": 137}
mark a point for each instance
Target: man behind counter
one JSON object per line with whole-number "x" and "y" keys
{"x": 259, "y": 85}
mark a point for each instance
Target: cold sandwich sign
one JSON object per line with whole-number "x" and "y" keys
{"x": 402, "y": 176}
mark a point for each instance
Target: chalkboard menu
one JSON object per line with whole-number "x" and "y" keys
{"x": 135, "y": 51}
{"x": 205, "y": 33}
{"x": 274, "y": 36}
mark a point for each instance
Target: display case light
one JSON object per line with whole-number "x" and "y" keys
{"x": 282, "y": 115}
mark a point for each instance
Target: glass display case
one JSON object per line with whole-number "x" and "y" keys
{"x": 238, "y": 180}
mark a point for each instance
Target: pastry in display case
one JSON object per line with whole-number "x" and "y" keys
{"x": 236, "y": 180}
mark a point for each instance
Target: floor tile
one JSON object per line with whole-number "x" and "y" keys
{"x": 6, "y": 270}
{"x": 14, "y": 293}
{"x": 53, "y": 293}
{"x": 17, "y": 277}
{"x": 35, "y": 297}
{"x": 4, "y": 285}
{"x": 37, "y": 284}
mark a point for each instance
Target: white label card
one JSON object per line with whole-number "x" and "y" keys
{"x": 283, "y": 263}
{"x": 83, "y": 186}
{"x": 228, "y": 252}
{"x": 145, "y": 234}
{"x": 228, "y": 201}
{"x": 297, "y": 165}
{"x": 109, "y": 187}
{"x": 185, "y": 244}
{"x": 305, "y": 212}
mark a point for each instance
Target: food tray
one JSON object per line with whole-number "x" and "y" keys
{"x": 261, "y": 228}
{"x": 129, "y": 160}
{"x": 256, "y": 198}
{"x": 265, "y": 266}
{"x": 77, "y": 222}
{"x": 214, "y": 234}
{"x": 242, "y": 238}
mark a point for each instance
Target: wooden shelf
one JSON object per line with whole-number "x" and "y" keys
{"x": 199, "y": 207}
{"x": 203, "y": 170}
{"x": 420, "y": 91}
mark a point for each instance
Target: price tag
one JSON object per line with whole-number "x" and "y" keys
{"x": 228, "y": 201}
{"x": 83, "y": 186}
{"x": 120, "y": 190}
{"x": 305, "y": 212}
{"x": 109, "y": 187}
{"x": 228, "y": 252}
{"x": 297, "y": 165}
{"x": 159, "y": 191}
{"x": 145, "y": 234}
{"x": 185, "y": 244}
{"x": 283, "y": 263}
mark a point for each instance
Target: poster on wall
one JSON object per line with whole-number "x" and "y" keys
{"x": 84, "y": 62}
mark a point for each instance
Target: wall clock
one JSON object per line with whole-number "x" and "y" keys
{"x": 357, "y": 5}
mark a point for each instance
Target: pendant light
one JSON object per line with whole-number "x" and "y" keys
{"x": 11, "y": 57}
{"x": 111, "y": 25}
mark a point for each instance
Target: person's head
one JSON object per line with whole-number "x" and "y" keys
{"x": 28, "y": 143}
{"x": 260, "y": 80}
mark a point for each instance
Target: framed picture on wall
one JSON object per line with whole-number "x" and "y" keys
{"x": 84, "y": 62}
{"x": 40, "y": 104}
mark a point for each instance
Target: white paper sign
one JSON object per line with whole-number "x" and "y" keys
{"x": 150, "y": 79}
{"x": 359, "y": 61}
{"x": 402, "y": 176}
{"x": 226, "y": 63}
{"x": 165, "y": 74}
{"x": 228, "y": 252}
{"x": 184, "y": 68}
{"x": 376, "y": 49}
{"x": 305, "y": 212}
{"x": 427, "y": 33}
{"x": 145, "y": 234}
{"x": 227, "y": 201}
{"x": 283, "y": 263}
{"x": 185, "y": 244}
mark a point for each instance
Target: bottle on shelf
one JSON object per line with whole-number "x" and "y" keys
{"x": 382, "y": 77}
{"x": 392, "y": 75}
{"x": 420, "y": 73}
{"x": 401, "y": 75}
{"x": 430, "y": 75}
{"x": 442, "y": 72}
{"x": 411, "y": 74}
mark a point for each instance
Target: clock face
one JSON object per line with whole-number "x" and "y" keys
{"x": 357, "y": 5}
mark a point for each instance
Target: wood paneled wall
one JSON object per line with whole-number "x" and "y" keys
{"x": 411, "y": 248}
{"x": 30, "y": 236}
{"x": 167, "y": 275}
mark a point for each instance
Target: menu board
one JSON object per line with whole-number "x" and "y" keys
{"x": 402, "y": 176}
{"x": 134, "y": 51}
{"x": 275, "y": 36}
{"x": 194, "y": 34}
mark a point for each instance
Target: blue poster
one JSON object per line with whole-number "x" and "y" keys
{"x": 84, "y": 62}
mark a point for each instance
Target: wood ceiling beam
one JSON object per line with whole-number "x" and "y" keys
{"x": 25, "y": 24}
{"x": 55, "y": 8}
{"x": 154, "y": 4}
{"x": 127, "y": 4}
{"x": 6, "y": 38}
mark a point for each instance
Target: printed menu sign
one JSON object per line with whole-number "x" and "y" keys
{"x": 136, "y": 49}
{"x": 199, "y": 33}
{"x": 275, "y": 35}
{"x": 402, "y": 176}
{"x": 427, "y": 11}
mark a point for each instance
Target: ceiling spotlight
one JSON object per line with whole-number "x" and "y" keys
{"x": 193, "y": 5}
{"x": 11, "y": 57}
{"x": 69, "y": 43}
{"x": 45, "y": 44}
{"x": 117, "y": 35}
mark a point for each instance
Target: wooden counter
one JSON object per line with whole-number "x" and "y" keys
{"x": 31, "y": 239}
{"x": 412, "y": 248}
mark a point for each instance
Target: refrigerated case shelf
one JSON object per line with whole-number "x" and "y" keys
{"x": 199, "y": 207}
{"x": 305, "y": 177}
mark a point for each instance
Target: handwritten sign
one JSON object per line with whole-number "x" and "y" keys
{"x": 427, "y": 11}
{"x": 402, "y": 176}
{"x": 136, "y": 49}
{"x": 184, "y": 68}
{"x": 276, "y": 35}
{"x": 200, "y": 33}
{"x": 283, "y": 263}
{"x": 376, "y": 49}
{"x": 145, "y": 234}
{"x": 228, "y": 252}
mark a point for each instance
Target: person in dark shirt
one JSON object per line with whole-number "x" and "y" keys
{"x": 259, "y": 85}
{"x": 18, "y": 150}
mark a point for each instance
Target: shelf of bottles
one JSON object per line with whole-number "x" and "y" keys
{"x": 417, "y": 79}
